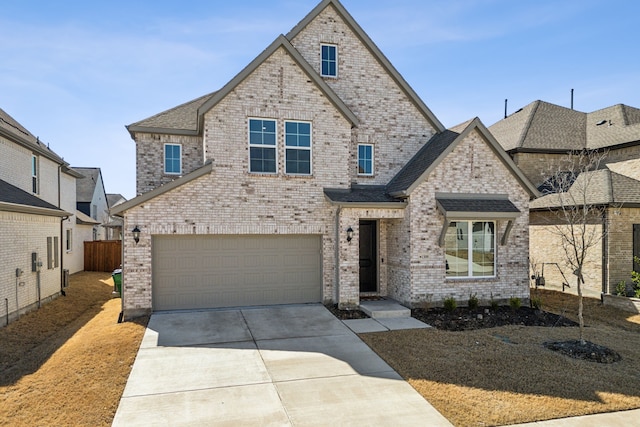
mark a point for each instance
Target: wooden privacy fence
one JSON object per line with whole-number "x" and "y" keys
{"x": 102, "y": 255}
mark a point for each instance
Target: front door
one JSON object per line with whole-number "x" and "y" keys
{"x": 368, "y": 256}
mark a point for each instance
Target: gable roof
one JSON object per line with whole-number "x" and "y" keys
{"x": 85, "y": 187}
{"x": 115, "y": 199}
{"x": 374, "y": 50}
{"x": 189, "y": 117}
{"x": 545, "y": 127}
{"x": 178, "y": 182}
{"x": 14, "y": 199}
{"x": 600, "y": 187}
{"x": 14, "y": 131}
{"x": 437, "y": 148}
{"x": 180, "y": 120}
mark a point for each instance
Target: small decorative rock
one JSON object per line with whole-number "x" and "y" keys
{"x": 480, "y": 316}
{"x": 486, "y": 311}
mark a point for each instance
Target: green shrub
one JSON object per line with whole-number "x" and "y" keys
{"x": 635, "y": 278}
{"x": 450, "y": 304}
{"x": 536, "y": 303}
{"x": 473, "y": 301}
{"x": 515, "y": 303}
{"x": 621, "y": 288}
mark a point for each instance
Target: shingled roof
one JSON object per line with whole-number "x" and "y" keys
{"x": 86, "y": 186}
{"x": 11, "y": 129}
{"x": 598, "y": 187}
{"x": 546, "y": 127}
{"x": 13, "y": 198}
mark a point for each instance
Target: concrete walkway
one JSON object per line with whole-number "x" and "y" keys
{"x": 283, "y": 366}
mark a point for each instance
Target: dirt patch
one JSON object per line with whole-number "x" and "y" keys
{"x": 505, "y": 375}
{"x": 68, "y": 363}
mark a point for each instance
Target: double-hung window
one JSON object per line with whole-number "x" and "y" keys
{"x": 173, "y": 159}
{"x": 365, "y": 159}
{"x": 297, "y": 141}
{"x": 262, "y": 146}
{"x": 329, "y": 62}
{"x": 470, "y": 249}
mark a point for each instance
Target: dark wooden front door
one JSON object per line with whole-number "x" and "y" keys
{"x": 368, "y": 256}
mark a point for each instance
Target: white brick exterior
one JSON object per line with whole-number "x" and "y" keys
{"x": 22, "y": 233}
{"x": 230, "y": 200}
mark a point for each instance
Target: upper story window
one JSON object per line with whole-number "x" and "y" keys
{"x": 470, "y": 249}
{"x": 173, "y": 159}
{"x": 69, "y": 239}
{"x": 34, "y": 174}
{"x": 365, "y": 159}
{"x": 297, "y": 148}
{"x": 262, "y": 146}
{"x": 329, "y": 63}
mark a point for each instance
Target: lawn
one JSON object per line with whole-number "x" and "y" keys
{"x": 67, "y": 363}
{"x": 504, "y": 375}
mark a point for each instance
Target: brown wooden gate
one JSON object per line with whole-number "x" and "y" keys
{"x": 102, "y": 255}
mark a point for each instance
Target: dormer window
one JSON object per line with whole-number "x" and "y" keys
{"x": 329, "y": 61}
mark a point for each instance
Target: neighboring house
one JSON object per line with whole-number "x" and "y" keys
{"x": 92, "y": 200}
{"x": 114, "y": 225}
{"x": 318, "y": 175}
{"x": 539, "y": 137}
{"x": 37, "y": 198}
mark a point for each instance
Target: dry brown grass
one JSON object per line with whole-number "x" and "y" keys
{"x": 68, "y": 363}
{"x": 504, "y": 375}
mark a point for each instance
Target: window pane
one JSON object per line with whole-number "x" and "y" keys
{"x": 483, "y": 248}
{"x": 456, "y": 249}
{"x": 172, "y": 158}
{"x": 298, "y": 161}
{"x": 262, "y": 159}
{"x": 365, "y": 159}
{"x": 329, "y": 60}
{"x": 262, "y": 132}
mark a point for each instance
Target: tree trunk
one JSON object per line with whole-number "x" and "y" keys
{"x": 580, "y": 318}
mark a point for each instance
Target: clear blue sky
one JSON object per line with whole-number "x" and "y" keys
{"x": 76, "y": 72}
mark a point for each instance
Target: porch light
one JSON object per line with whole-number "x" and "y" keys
{"x": 349, "y": 234}
{"x": 136, "y": 234}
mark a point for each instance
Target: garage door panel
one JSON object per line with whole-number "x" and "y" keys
{"x": 223, "y": 271}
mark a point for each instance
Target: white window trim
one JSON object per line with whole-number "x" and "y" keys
{"x": 329, "y": 75}
{"x": 35, "y": 181}
{"x": 309, "y": 148}
{"x": 373, "y": 161}
{"x": 164, "y": 158}
{"x": 69, "y": 240}
{"x": 275, "y": 147}
{"x": 470, "y": 251}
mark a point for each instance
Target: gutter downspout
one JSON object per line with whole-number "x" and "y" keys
{"x": 62, "y": 220}
{"x": 336, "y": 291}
{"x": 605, "y": 254}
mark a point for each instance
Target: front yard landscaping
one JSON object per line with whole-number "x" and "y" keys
{"x": 504, "y": 375}
{"x": 68, "y": 363}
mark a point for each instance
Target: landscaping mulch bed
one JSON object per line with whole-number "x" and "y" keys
{"x": 345, "y": 314}
{"x": 584, "y": 351}
{"x": 465, "y": 319}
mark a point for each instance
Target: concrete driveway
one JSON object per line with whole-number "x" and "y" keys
{"x": 294, "y": 365}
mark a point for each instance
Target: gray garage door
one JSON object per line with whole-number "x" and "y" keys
{"x": 229, "y": 270}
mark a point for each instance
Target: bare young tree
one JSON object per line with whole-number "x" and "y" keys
{"x": 577, "y": 205}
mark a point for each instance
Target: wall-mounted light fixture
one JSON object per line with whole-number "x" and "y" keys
{"x": 136, "y": 234}
{"x": 349, "y": 234}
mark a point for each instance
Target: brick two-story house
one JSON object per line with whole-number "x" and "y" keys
{"x": 318, "y": 175}
{"x": 541, "y": 137}
{"x": 37, "y": 202}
